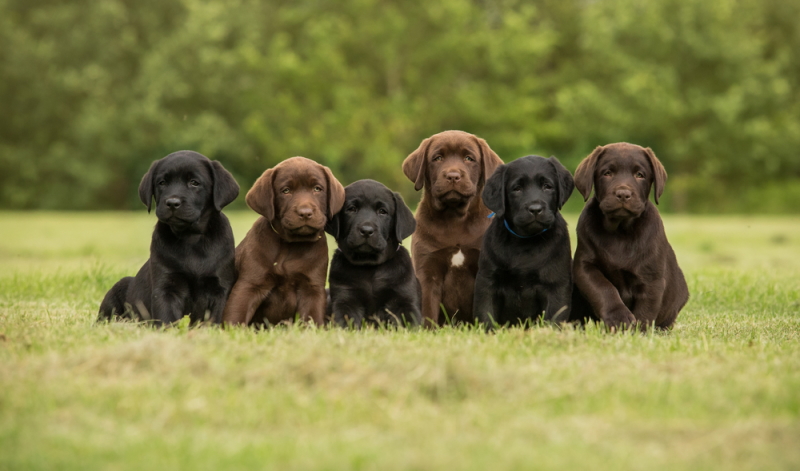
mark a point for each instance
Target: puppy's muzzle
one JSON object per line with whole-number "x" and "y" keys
{"x": 623, "y": 195}
{"x": 173, "y": 203}
{"x": 535, "y": 209}
{"x": 305, "y": 212}
{"x": 453, "y": 176}
{"x": 622, "y": 201}
{"x": 366, "y": 231}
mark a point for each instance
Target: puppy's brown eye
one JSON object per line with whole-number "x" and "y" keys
{"x": 383, "y": 212}
{"x": 639, "y": 175}
{"x": 194, "y": 183}
{"x": 607, "y": 173}
{"x": 547, "y": 186}
{"x": 285, "y": 191}
{"x": 162, "y": 183}
{"x": 516, "y": 189}
{"x": 351, "y": 209}
{"x": 317, "y": 188}
{"x": 469, "y": 158}
{"x": 437, "y": 157}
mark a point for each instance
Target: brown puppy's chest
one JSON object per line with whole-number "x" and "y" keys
{"x": 460, "y": 264}
{"x": 446, "y": 255}
{"x": 282, "y": 272}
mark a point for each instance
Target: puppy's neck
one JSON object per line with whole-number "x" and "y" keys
{"x": 285, "y": 236}
{"x": 457, "y": 212}
{"x": 615, "y": 225}
{"x": 198, "y": 227}
{"x": 386, "y": 256}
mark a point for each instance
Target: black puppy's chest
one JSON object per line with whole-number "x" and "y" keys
{"x": 522, "y": 263}
{"x": 373, "y": 287}
{"x": 194, "y": 258}
{"x": 371, "y": 280}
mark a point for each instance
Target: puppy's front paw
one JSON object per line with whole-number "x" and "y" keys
{"x": 619, "y": 318}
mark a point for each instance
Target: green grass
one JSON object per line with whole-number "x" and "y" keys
{"x": 721, "y": 391}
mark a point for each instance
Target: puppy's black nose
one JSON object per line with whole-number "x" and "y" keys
{"x": 173, "y": 203}
{"x": 366, "y": 231}
{"x": 535, "y": 209}
{"x": 453, "y": 177}
{"x": 623, "y": 195}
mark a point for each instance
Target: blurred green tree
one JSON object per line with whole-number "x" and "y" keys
{"x": 92, "y": 92}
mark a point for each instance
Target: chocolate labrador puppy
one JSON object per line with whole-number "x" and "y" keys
{"x": 282, "y": 261}
{"x": 372, "y": 278}
{"x": 453, "y": 167}
{"x": 625, "y": 270}
{"x": 190, "y": 270}
{"x": 524, "y": 270}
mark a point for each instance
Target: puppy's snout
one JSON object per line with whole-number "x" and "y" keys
{"x": 305, "y": 212}
{"x": 536, "y": 208}
{"x": 623, "y": 194}
{"x": 366, "y": 230}
{"x": 173, "y": 203}
{"x": 453, "y": 176}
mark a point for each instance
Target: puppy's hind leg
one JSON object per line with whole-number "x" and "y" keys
{"x": 113, "y": 304}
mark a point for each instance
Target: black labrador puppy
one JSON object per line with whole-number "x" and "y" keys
{"x": 524, "y": 270}
{"x": 372, "y": 278}
{"x": 191, "y": 266}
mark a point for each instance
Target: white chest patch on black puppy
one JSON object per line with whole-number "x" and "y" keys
{"x": 458, "y": 259}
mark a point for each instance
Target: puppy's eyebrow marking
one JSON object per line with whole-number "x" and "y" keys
{"x": 458, "y": 259}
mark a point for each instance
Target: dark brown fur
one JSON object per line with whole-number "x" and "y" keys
{"x": 453, "y": 167}
{"x": 282, "y": 261}
{"x": 624, "y": 266}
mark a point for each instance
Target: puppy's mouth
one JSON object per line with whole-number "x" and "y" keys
{"x": 365, "y": 254}
{"x": 304, "y": 233}
{"x": 454, "y": 198}
{"x": 303, "y": 230}
{"x": 616, "y": 210}
{"x": 531, "y": 226}
{"x": 177, "y": 220}
{"x": 367, "y": 248}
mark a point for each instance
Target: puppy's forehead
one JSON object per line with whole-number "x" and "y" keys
{"x": 625, "y": 154}
{"x": 368, "y": 191}
{"x": 454, "y": 142}
{"x": 300, "y": 171}
{"x": 530, "y": 166}
{"x": 184, "y": 165}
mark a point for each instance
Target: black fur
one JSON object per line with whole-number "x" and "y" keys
{"x": 525, "y": 276}
{"x": 371, "y": 277}
{"x": 191, "y": 266}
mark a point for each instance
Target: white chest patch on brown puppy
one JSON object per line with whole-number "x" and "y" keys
{"x": 458, "y": 259}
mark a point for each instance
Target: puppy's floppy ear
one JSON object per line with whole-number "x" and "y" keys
{"x": 565, "y": 181}
{"x": 404, "y": 222}
{"x": 416, "y": 164}
{"x": 489, "y": 160}
{"x": 335, "y": 193}
{"x": 494, "y": 192}
{"x": 225, "y": 187}
{"x": 584, "y": 174}
{"x": 261, "y": 197}
{"x": 332, "y": 226}
{"x": 659, "y": 173}
{"x": 146, "y": 186}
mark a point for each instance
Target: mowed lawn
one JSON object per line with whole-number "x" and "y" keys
{"x": 720, "y": 391}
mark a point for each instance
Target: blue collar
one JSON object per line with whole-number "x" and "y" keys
{"x": 520, "y": 236}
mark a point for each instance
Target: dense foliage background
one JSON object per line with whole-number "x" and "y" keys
{"x": 93, "y": 91}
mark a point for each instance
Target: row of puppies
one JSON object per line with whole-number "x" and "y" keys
{"x": 278, "y": 270}
{"x": 523, "y": 270}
